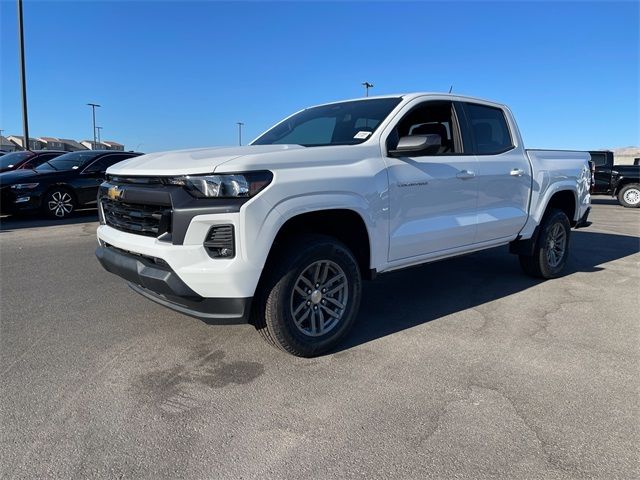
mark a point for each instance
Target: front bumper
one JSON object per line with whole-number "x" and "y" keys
{"x": 17, "y": 201}
{"x": 154, "y": 279}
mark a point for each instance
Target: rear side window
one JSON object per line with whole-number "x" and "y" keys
{"x": 490, "y": 130}
{"x": 103, "y": 163}
{"x": 599, "y": 159}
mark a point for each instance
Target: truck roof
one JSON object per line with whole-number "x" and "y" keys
{"x": 412, "y": 95}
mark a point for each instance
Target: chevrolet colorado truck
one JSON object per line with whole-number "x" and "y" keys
{"x": 621, "y": 181}
{"x": 282, "y": 232}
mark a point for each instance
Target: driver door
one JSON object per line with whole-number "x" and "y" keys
{"x": 433, "y": 198}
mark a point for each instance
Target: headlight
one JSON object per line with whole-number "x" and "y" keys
{"x": 24, "y": 186}
{"x": 224, "y": 185}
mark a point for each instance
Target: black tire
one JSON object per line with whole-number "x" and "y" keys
{"x": 59, "y": 203}
{"x": 629, "y": 195}
{"x": 278, "y": 300}
{"x": 547, "y": 261}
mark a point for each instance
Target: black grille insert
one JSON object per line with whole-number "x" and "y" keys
{"x": 220, "y": 241}
{"x": 148, "y": 220}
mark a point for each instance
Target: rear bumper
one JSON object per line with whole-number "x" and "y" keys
{"x": 154, "y": 279}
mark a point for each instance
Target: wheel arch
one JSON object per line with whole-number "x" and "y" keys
{"x": 565, "y": 200}
{"x": 344, "y": 224}
{"x": 622, "y": 182}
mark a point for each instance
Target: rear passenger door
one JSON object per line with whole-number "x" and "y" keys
{"x": 503, "y": 172}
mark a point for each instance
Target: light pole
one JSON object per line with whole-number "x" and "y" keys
{"x": 367, "y": 86}
{"x": 240, "y": 124}
{"x": 23, "y": 80}
{"x": 99, "y": 128}
{"x": 93, "y": 107}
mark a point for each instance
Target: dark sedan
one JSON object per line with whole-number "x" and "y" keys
{"x": 28, "y": 159}
{"x": 58, "y": 186}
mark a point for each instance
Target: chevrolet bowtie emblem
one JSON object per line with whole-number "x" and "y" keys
{"x": 114, "y": 193}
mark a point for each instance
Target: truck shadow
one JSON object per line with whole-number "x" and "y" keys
{"x": 400, "y": 300}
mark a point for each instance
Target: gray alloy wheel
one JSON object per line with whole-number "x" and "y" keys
{"x": 59, "y": 204}
{"x": 629, "y": 196}
{"x": 555, "y": 245}
{"x": 551, "y": 249}
{"x": 309, "y": 297}
{"x": 319, "y": 297}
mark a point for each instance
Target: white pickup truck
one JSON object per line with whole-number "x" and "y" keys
{"x": 280, "y": 233}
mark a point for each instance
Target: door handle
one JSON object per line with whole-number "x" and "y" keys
{"x": 465, "y": 175}
{"x": 516, "y": 172}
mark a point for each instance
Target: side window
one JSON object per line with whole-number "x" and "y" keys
{"x": 490, "y": 129}
{"x": 434, "y": 117}
{"x": 39, "y": 160}
{"x": 101, "y": 165}
{"x": 599, "y": 159}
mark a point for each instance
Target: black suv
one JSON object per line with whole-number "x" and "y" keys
{"x": 58, "y": 186}
{"x": 27, "y": 159}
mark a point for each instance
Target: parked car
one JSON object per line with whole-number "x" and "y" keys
{"x": 281, "y": 232}
{"x": 621, "y": 181}
{"x": 27, "y": 159}
{"x": 58, "y": 186}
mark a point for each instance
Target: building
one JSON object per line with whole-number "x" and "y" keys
{"x": 7, "y": 145}
{"x": 111, "y": 145}
{"x": 14, "y": 142}
{"x": 106, "y": 145}
{"x": 90, "y": 145}
{"x": 34, "y": 143}
{"x": 51, "y": 143}
{"x": 71, "y": 145}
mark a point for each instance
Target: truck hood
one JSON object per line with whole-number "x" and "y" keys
{"x": 190, "y": 162}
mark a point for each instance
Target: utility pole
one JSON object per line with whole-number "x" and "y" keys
{"x": 99, "y": 128}
{"x": 93, "y": 107}
{"x": 23, "y": 81}
{"x": 367, "y": 86}
{"x": 240, "y": 124}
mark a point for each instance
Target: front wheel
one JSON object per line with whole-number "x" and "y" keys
{"x": 58, "y": 203}
{"x": 311, "y": 297}
{"x": 552, "y": 247}
{"x": 629, "y": 195}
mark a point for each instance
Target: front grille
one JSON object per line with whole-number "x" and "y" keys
{"x": 148, "y": 220}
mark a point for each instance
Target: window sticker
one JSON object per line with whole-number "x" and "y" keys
{"x": 362, "y": 134}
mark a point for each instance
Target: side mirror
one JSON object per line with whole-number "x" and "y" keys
{"x": 417, "y": 145}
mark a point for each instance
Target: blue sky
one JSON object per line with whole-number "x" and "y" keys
{"x": 180, "y": 74}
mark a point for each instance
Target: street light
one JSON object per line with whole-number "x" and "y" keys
{"x": 99, "y": 128}
{"x": 240, "y": 124}
{"x": 93, "y": 107}
{"x": 23, "y": 81}
{"x": 367, "y": 86}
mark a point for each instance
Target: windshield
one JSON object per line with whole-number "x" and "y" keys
{"x": 346, "y": 123}
{"x": 11, "y": 159}
{"x": 68, "y": 161}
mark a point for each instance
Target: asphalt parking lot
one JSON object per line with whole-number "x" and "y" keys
{"x": 460, "y": 369}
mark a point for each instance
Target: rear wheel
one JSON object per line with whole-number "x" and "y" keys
{"x": 552, "y": 247}
{"x": 59, "y": 203}
{"x": 311, "y": 298}
{"x": 629, "y": 195}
